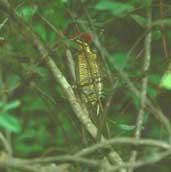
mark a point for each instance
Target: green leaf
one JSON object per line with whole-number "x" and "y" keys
{"x": 156, "y": 34}
{"x": 9, "y": 122}
{"x": 60, "y": 91}
{"x": 13, "y": 80}
{"x": 142, "y": 21}
{"x": 56, "y": 15}
{"x": 166, "y": 81}
{"x": 104, "y": 5}
{"x": 33, "y": 104}
{"x": 154, "y": 78}
{"x": 135, "y": 100}
{"x": 52, "y": 38}
{"x": 152, "y": 92}
{"x": 2, "y": 104}
{"x": 26, "y": 149}
{"x": 60, "y": 139}
{"x": 119, "y": 60}
{"x": 64, "y": 1}
{"x": 27, "y": 12}
{"x": 162, "y": 22}
{"x": 41, "y": 71}
{"x": 12, "y": 105}
{"x": 40, "y": 29}
{"x": 116, "y": 8}
{"x": 39, "y": 134}
{"x": 28, "y": 134}
{"x": 126, "y": 127}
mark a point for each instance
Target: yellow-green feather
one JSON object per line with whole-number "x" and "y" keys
{"x": 89, "y": 75}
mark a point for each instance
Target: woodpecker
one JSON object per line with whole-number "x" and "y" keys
{"x": 89, "y": 73}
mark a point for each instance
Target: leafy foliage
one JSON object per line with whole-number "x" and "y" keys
{"x": 166, "y": 81}
{"x": 33, "y": 106}
{"x": 116, "y": 8}
{"x": 7, "y": 120}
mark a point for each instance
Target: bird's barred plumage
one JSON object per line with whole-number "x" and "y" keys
{"x": 90, "y": 80}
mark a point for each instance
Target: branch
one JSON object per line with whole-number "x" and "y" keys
{"x": 123, "y": 75}
{"x": 82, "y": 115}
{"x": 31, "y": 165}
{"x": 3, "y": 23}
{"x": 69, "y": 56}
{"x": 4, "y": 142}
{"x": 123, "y": 140}
{"x": 143, "y": 95}
{"x": 141, "y": 163}
{"x": 80, "y": 111}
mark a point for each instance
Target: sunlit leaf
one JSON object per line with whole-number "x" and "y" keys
{"x": 166, "y": 81}
{"x": 27, "y": 12}
{"x": 11, "y": 105}
{"x": 40, "y": 29}
{"x": 64, "y": 1}
{"x": 9, "y": 123}
{"x": 126, "y": 127}
{"x": 142, "y": 21}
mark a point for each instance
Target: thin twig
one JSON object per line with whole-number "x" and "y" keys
{"x": 78, "y": 157}
{"x": 141, "y": 163}
{"x": 8, "y": 145}
{"x": 4, "y": 142}
{"x": 143, "y": 95}
{"x": 123, "y": 140}
{"x": 164, "y": 40}
{"x": 150, "y": 106}
{"x": 81, "y": 113}
{"x": 3, "y": 23}
{"x": 113, "y": 156}
{"x": 69, "y": 56}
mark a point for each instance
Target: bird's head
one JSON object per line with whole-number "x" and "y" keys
{"x": 84, "y": 37}
{"x": 83, "y": 40}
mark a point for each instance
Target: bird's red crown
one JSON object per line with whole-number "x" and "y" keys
{"x": 84, "y": 36}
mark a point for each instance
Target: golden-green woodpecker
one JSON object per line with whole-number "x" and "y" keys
{"x": 89, "y": 73}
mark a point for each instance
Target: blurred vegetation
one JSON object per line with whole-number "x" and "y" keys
{"x": 33, "y": 107}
